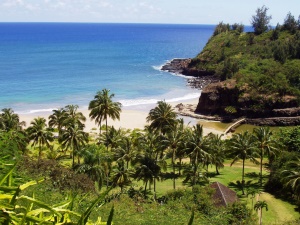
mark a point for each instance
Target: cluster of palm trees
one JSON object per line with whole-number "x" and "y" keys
{"x": 166, "y": 149}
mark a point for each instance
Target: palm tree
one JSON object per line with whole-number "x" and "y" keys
{"x": 125, "y": 153}
{"x": 12, "y": 143}
{"x": 162, "y": 117}
{"x": 150, "y": 147}
{"x": 121, "y": 177}
{"x": 216, "y": 149}
{"x": 96, "y": 107}
{"x": 197, "y": 146}
{"x": 10, "y": 121}
{"x": 242, "y": 147}
{"x": 102, "y": 107}
{"x": 173, "y": 140}
{"x": 73, "y": 117}
{"x": 112, "y": 138}
{"x": 92, "y": 163}
{"x": 291, "y": 176}
{"x": 259, "y": 205}
{"x": 40, "y": 134}
{"x": 265, "y": 144}
{"x": 146, "y": 170}
{"x": 73, "y": 137}
{"x": 57, "y": 119}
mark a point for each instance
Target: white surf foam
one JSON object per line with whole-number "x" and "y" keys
{"x": 134, "y": 102}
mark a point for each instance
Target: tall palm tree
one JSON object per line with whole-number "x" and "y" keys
{"x": 40, "y": 134}
{"x": 197, "y": 146}
{"x": 259, "y": 205}
{"x": 291, "y": 176}
{"x": 10, "y": 120}
{"x": 146, "y": 170}
{"x": 162, "y": 117}
{"x": 265, "y": 144}
{"x": 242, "y": 147}
{"x": 173, "y": 140}
{"x": 56, "y": 119}
{"x": 216, "y": 149}
{"x": 73, "y": 137}
{"x": 150, "y": 147}
{"x": 103, "y": 107}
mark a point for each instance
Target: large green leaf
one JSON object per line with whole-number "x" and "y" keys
{"x": 6, "y": 196}
{"x": 8, "y": 189}
{"x": 84, "y": 217}
{"x": 40, "y": 204}
{"x": 9, "y": 173}
{"x": 28, "y": 184}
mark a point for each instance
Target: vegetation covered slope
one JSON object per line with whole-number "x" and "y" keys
{"x": 262, "y": 69}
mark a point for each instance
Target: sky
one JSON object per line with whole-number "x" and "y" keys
{"x": 144, "y": 11}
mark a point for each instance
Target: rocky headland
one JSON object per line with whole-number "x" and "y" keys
{"x": 221, "y": 100}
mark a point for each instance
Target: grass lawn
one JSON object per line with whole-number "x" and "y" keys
{"x": 279, "y": 211}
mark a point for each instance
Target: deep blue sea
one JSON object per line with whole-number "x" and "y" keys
{"x": 50, "y": 65}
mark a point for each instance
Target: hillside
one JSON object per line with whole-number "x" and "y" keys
{"x": 259, "y": 74}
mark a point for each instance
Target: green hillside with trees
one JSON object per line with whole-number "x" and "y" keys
{"x": 265, "y": 63}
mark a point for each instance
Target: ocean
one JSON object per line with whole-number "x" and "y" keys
{"x": 44, "y": 66}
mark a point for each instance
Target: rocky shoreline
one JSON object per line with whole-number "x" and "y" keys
{"x": 201, "y": 79}
{"x": 196, "y": 79}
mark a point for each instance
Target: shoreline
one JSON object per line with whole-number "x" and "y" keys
{"x": 129, "y": 118}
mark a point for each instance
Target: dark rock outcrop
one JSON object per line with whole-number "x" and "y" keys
{"x": 198, "y": 78}
{"x": 216, "y": 97}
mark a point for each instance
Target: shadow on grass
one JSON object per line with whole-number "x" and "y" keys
{"x": 212, "y": 174}
{"x": 237, "y": 186}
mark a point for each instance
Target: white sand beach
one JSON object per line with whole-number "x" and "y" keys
{"x": 129, "y": 119}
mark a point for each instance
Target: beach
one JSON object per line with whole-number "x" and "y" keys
{"x": 129, "y": 118}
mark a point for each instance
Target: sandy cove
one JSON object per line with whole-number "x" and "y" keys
{"x": 129, "y": 119}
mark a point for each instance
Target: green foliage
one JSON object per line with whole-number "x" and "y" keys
{"x": 290, "y": 24}
{"x": 265, "y": 65}
{"x": 261, "y": 20}
{"x": 16, "y": 208}
{"x": 221, "y": 28}
{"x": 290, "y": 138}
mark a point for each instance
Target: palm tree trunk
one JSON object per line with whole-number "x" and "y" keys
{"x": 261, "y": 160}
{"x": 260, "y": 219}
{"x": 154, "y": 188}
{"x": 243, "y": 173}
{"x": 73, "y": 158}
{"x": 180, "y": 161}
{"x": 145, "y": 190}
{"x": 173, "y": 164}
{"x": 217, "y": 171}
{"x": 100, "y": 127}
{"x": 106, "y": 132}
{"x": 107, "y": 180}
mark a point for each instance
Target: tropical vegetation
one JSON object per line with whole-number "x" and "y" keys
{"x": 127, "y": 170}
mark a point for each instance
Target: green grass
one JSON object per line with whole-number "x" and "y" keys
{"x": 279, "y": 211}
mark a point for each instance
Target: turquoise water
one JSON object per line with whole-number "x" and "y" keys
{"x": 49, "y": 65}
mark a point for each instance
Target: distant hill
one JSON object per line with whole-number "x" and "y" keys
{"x": 258, "y": 73}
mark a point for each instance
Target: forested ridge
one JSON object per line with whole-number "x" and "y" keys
{"x": 264, "y": 64}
